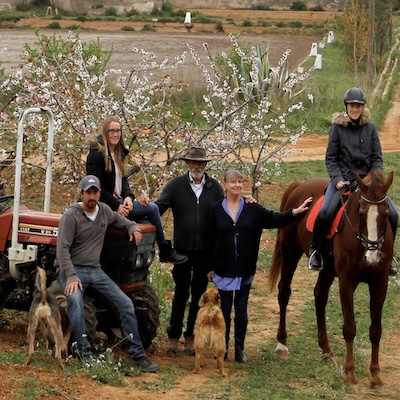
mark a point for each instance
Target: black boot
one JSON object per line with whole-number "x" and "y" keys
{"x": 169, "y": 254}
{"x": 240, "y": 334}
{"x": 227, "y": 334}
{"x": 315, "y": 261}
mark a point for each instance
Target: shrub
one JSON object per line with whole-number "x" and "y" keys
{"x": 247, "y": 22}
{"x": 318, "y": 8}
{"x": 22, "y": 7}
{"x": 74, "y": 27}
{"x": 167, "y": 7}
{"x": 262, "y": 7}
{"x": 127, "y": 28}
{"x": 295, "y": 24}
{"x": 132, "y": 13}
{"x": 54, "y": 25}
{"x": 263, "y": 22}
{"x": 298, "y": 6}
{"x": 219, "y": 27}
{"x": 111, "y": 12}
{"x": 148, "y": 28}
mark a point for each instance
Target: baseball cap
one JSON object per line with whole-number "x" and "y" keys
{"x": 90, "y": 181}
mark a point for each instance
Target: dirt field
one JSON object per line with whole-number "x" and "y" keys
{"x": 13, "y": 377}
{"x": 164, "y": 45}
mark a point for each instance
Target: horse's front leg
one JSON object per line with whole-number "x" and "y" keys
{"x": 321, "y": 293}
{"x": 377, "y": 290}
{"x": 346, "y": 291}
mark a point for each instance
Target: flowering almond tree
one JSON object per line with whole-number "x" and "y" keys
{"x": 243, "y": 110}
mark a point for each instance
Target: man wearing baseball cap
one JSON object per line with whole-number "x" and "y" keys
{"x": 80, "y": 240}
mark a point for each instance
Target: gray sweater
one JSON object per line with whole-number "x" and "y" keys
{"x": 80, "y": 240}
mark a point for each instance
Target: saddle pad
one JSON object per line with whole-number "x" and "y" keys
{"x": 313, "y": 215}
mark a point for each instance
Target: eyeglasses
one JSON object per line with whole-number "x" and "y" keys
{"x": 114, "y": 131}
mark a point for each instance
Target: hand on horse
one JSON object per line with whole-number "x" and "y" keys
{"x": 303, "y": 207}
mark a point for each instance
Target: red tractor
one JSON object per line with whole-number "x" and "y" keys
{"x": 28, "y": 239}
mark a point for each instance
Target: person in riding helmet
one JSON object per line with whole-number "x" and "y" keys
{"x": 353, "y": 147}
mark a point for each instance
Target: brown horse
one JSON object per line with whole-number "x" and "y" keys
{"x": 360, "y": 251}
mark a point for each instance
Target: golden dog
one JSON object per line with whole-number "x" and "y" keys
{"x": 209, "y": 329}
{"x": 46, "y": 312}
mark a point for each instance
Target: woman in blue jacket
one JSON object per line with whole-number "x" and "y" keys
{"x": 234, "y": 238}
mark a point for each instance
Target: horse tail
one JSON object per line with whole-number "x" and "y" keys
{"x": 276, "y": 266}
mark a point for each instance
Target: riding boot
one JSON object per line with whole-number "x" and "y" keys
{"x": 169, "y": 254}
{"x": 227, "y": 333}
{"x": 315, "y": 261}
{"x": 240, "y": 334}
{"x": 393, "y": 220}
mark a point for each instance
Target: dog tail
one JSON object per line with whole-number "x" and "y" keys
{"x": 41, "y": 284}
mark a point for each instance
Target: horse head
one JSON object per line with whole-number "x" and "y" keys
{"x": 373, "y": 213}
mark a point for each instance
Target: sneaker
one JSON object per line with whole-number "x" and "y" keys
{"x": 172, "y": 346}
{"x": 144, "y": 364}
{"x": 189, "y": 345}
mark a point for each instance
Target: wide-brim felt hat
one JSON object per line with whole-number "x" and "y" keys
{"x": 196, "y": 154}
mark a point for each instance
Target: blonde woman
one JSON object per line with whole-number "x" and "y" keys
{"x": 106, "y": 160}
{"x": 234, "y": 238}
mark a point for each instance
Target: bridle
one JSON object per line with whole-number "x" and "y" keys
{"x": 366, "y": 243}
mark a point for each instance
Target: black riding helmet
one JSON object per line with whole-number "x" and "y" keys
{"x": 354, "y": 95}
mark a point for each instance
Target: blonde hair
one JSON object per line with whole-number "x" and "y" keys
{"x": 231, "y": 175}
{"x": 119, "y": 158}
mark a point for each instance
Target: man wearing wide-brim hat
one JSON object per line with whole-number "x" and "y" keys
{"x": 190, "y": 197}
{"x": 196, "y": 154}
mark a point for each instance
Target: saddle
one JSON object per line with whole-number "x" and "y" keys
{"x": 334, "y": 213}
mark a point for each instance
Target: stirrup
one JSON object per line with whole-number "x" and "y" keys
{"x": 315, "y": 253}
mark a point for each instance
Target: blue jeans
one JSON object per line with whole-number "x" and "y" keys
{"x": 330, "y": 192}
{"x": 146, "y": 214}
{"x": 96, "y": 278}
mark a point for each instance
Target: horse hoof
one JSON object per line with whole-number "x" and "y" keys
{"x": 281, "y": 352}
{"x": 326, "y": 356}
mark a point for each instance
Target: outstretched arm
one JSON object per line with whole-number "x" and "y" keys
{"x": 303, "y": 207}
